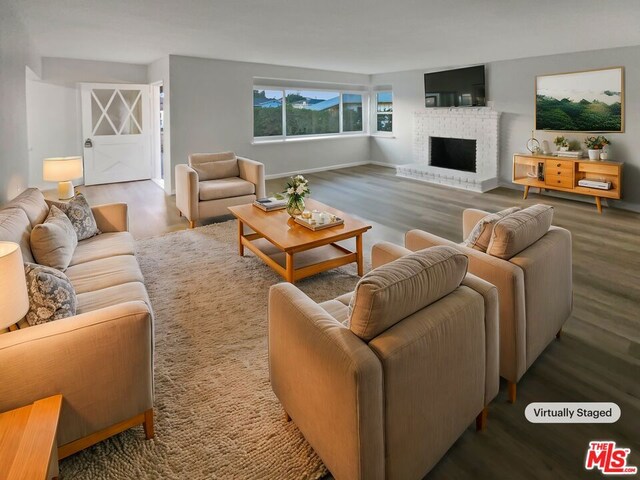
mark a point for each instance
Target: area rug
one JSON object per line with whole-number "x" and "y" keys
{"x": 216, "y": 416}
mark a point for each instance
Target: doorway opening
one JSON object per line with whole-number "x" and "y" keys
{"x": 157, "y": 102}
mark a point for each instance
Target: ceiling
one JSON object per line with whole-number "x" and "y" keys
{"x": 363, "y": 36}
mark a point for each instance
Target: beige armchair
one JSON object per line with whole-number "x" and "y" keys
{"x": 385, "y": 392}
{"x": 214, "y": 181}
{"x": 534, "y": 286}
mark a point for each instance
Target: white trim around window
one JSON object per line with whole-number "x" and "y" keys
{"x": 387, "y": 112}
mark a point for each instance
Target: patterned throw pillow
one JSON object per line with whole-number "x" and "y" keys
{"x": 480, "y": 236}
{"x": 51, "y": 295}
{"x": 81, "y": 216}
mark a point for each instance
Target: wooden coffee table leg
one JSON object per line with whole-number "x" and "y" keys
{"x": 359, "y": 255}
{"x": 289, "y": 265}
{"x": 240, "y": 234}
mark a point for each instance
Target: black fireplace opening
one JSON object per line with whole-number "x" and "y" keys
{"x": 453, "y": 153}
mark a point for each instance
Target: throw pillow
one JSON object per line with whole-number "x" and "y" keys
{"x": 51, "y": 295}
{"x": 81, "y": 216}
{"x": 54, "y": 241}
{"x": 480, "y": 236}
{"x": 514, "y": 233}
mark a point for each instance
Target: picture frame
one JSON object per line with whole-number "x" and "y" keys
{"x": 587, "y": 101}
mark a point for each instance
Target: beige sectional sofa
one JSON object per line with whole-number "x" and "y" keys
{"x": 101, "y": 359}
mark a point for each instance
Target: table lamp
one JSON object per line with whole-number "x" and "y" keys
{"x": 14, "y": 300}
{"x": 62, "y": 170}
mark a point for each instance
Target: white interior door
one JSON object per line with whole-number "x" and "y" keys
{"x": 116, "y": 131}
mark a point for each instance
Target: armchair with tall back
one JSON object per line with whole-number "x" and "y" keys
{"x": 211, "y": 182}
{"x": 530, "y": 262}
{"x": 384, "y": 387}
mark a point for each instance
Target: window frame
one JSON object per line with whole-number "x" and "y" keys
{"x": 375, "y": 113}
{"x": 365, "y": 95}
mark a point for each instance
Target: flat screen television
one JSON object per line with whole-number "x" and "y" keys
{"x": 462, "y": 87}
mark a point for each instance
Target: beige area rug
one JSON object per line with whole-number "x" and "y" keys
{"x": 216, "y": 416}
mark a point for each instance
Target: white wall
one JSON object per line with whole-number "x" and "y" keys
{"x": 16, "y": 54}
{"x": 510, "y": 86}
{"x": 211, "y": 110}
{"x": 54, "y": 110}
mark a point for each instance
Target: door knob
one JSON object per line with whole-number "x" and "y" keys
{"x": 88, "y": 143}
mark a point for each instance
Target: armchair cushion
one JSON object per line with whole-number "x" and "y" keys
{"x": 225, "y": 188}
{"x": 514, "y": 233}
{"x": 213, "y": 166}
{"x": 398, "y": 289}
{"x": 480, "y": 236}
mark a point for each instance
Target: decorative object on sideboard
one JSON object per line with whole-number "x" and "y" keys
{"x": 13, "y": 285}
{"x": 595, "y": 145}
{"x": 562, "y": 143}
{"x": 586, "y": 101}
{"x": 533, "y": 145}
{"x": 62, "y": 170}
{"x": 297, "y": 189}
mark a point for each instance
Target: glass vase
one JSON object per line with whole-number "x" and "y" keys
{"x": 295, "y": 206}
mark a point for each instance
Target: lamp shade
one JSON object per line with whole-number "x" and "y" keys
{"x": 61, "y": 169}
{"x": 14, "y": 300}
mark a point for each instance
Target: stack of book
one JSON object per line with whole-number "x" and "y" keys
{"x": 270, "y": 204}
{"x": 569, "y": 154}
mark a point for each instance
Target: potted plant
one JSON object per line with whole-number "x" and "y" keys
{"x": 562, "y": 144}
{"x": 297, "y": 189}
{"x": 595, "y": 144}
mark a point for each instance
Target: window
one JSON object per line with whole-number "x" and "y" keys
{"x": 299, "y": 112}
{"x": 384, "y": 112}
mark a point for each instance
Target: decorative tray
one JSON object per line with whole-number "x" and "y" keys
{"x": 313, "y": 225}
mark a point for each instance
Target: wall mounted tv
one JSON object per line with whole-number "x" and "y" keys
{"x": 462, "y": 87}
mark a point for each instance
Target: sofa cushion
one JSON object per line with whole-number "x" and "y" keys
{"x": 32, "y": 202}
{"x": 213, "y": 166}
{"x": 54, "y": 241}
{"x": 81, "y": 216}
{"x": 15, "y": 227}
{"x": 338, "y": 308}
{"x": 393, "y": 291}
{"x": 103, "y": 246}
{"x": 519, "y": 230}
{"x": 480, "y": 237}
{"x": 104, "y": 273}
{"x": 225, "y": 188}
{"x": 106, "y": 297}
{"x": 51, "y": 295}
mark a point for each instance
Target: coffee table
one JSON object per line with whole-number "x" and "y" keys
{"x": 294, "y": 251}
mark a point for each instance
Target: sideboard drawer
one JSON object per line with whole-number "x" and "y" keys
{"x": 557, "y": 166}
{"x": 599, "y": 168}
{"x": 558, "y": 181}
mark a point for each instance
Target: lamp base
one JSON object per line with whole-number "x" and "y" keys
{"x": 65, "y": 190}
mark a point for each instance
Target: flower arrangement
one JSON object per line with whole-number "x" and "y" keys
{"x": 596, "y": 143}
{"x": 297, "y": 188}
{"x": 561, "y": 142}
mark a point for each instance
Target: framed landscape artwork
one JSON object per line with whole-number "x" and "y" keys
{"x": 589, "y": 101}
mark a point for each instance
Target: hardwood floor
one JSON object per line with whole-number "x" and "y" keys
{"x": 596, "y": 360}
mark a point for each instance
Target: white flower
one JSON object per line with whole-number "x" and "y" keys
{"x": 300, "y": 177}
{"x": 300, "y": 189}
{"x": 290, "y": 190}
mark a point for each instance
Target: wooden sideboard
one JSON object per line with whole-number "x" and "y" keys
{"x": 563, "y": 174}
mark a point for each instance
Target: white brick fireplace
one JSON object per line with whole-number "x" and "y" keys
{"x": 479, "y": 124}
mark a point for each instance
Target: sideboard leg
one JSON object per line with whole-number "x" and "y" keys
{"x": 599, "y": 204}
{"x": 526, "y": 192}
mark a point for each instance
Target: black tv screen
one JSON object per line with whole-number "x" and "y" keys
{"x": 462, "y": 87}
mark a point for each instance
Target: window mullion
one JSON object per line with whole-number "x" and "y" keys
{"x": 284, "y": 115}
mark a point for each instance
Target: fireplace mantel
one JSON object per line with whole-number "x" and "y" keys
{"x": 479, "y": 124}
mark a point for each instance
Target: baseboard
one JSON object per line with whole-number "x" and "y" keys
{"x": 323, "y": 169}
{"x": 617, "y": 204}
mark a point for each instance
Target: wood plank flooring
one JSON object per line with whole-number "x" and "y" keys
{"x": 597, "y": 359}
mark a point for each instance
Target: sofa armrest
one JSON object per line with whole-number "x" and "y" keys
{"x": 492, "y": 333}
{"x": 253, "y": 172}
{"x": 471, "y": 216}
{"x": 100, "y": 361}
{"x": 386, "y": 252}
{"x": 329, "y": 381}
{"x": 187, "y": 191}
{"x": 509, "y": 279}
{"x": 112, "y": 217}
